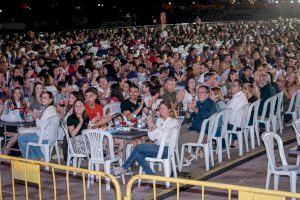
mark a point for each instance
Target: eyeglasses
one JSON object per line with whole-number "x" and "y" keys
{"x": 234, "y": 85}
{"x": 202, "y": 93}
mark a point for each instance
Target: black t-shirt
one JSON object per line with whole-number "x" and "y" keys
{"x": 74, "y": 121}
{"x": 128, "y": 105}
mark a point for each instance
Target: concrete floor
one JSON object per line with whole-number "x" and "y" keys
{"x": 252, "y": 174}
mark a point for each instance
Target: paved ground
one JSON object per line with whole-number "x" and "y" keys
{"x": 252, "y": 173}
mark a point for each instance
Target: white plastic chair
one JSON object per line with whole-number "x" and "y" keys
{"x": 50, "y": 128}
{"x": 296, "y": 113}
{"x": 207, "y": 147}
{"x": 112, "y": 108}
{"x": 294, "y": 103}
{"x": 284, "y": 170}
{"x": 169, "y": 162}
{"x": 263, "y": 119}
{"x": 240, "y": 119}
{"x": 252, "y": 128}
{"x": 296, "y": 126}
{"x": 223, "y": 115}
{"x": 72, "y": 156}
{"x": 96, "y": 139}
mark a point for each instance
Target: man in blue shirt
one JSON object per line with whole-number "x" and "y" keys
{"x": 199, "y": 111}
{"x": 202, "y": 109}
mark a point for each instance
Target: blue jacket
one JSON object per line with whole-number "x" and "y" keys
{"x": 205, "y": 110}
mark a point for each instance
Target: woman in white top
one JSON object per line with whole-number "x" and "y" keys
{"x": 47, "y": 101}
{"x": 189, "y": 93}
{"x": 16, "y": 102}
{"x": 160, "y": 132}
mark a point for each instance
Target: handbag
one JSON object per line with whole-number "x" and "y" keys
{"x": 11, "y": 116}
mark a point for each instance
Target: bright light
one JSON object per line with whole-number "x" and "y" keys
{"x": 170, "y": 3}
{"x": 193, "y": 2}
{"x": 298, "y": 1}
{"x": 98, "y": 4}
{"x": 1, "y": 11}
{"x": 276, "y": 1}
{"x": 292, "y": 1}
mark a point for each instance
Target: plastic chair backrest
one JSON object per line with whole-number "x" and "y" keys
{"x": 273, "y": 106}
{"x": 207, "y": 124}
{"x": 267, "y": 105}
{"x": 173, "y": 136}
{"x": 296, "y": 126}
{"x": 70, "y": 147}
{"x": 268, "y": 139}
{"x": 256, "y": 107}
{"x": 112, "y": 108}
{"x": 96, "y": 138}
{"x": 241, "y": 117}
{"x": 295, "y": 100}
{"x": 279, "y": 103}
{"x": 221, "y": 116}
{"x": 211, "y": 124}
{"x": 251, "y": 109}
{"x": 53, "y": 122}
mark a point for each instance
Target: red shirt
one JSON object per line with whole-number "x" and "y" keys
{"x": 92, "y": 112}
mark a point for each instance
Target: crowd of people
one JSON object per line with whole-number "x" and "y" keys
{"x": 193, "y": 69}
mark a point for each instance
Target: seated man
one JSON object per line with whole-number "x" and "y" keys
{"x": 266, "y": 91}
{"x": 93, "y": 109}
{"x": 132, "y": 106}
{"x": 199, "y": 111}
{"x": 237, "y": 101}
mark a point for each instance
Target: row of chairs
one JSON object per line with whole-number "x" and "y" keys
{"x": 248, "y": 121}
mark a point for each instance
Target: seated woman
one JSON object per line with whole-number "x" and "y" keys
{"x": 35, "y": 99}
{"x": 252, "y": 92}
{"x": 157, "y": 131}
{"x": 47, "y": 101}
{"x": 77, "y": 122}
{"x": 217, "y": 97}
{"x": 16, "y": 102}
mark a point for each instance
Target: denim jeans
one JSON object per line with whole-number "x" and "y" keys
{"x": 34, "y": 152}
{"x": 140, "y": 152}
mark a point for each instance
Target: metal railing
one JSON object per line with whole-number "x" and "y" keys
{"x": 244, "y": 193}
{"x": 29, "y": 172}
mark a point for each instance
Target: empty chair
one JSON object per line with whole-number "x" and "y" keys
{"x": 95, "y": 140}
{"x": 251, "y": 123}
{"x": 112, "y": 108}
{"x": 284, "y": 169}
{"x": 207, "y": 124}
{"x": 296, "y": 126}
{"x": 222, "y": 117}
{"x": 52, "y": 126}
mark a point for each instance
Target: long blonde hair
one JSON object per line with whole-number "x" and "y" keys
{"x": 218, "y": 92}
{"x": 253, "y": 89}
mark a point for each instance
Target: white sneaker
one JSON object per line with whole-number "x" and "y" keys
{"x": 117, "y": 171}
